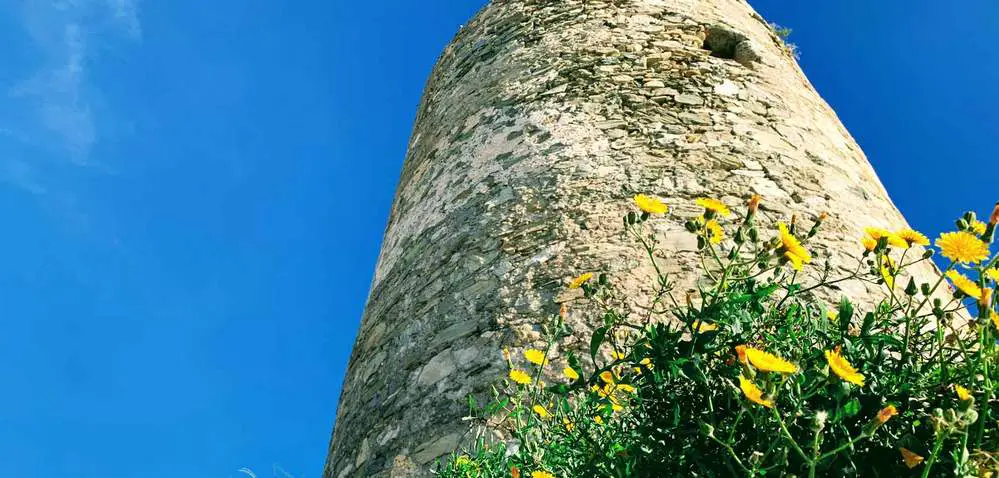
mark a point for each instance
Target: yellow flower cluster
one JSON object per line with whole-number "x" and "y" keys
{"x": 842, "y": 368}
{"x": 580, "y": 280}
{"x": 536, "y": 357}
{"x": 875, "y": 234}
{"x": 753, "y": 393}
{"x": 965, "y": 285}
{"x": 767, "y": 362}
{"x": 793, "y": 251}
{"x": 715, "y": 232}
{"x": 612, "y": 391}
{"x": 520, "y": 377}
{"x": 962, "y": 247}
{"x": 993, "y": 274}
{"x": 650, "y": 204}
{"x": 714, "y": 205}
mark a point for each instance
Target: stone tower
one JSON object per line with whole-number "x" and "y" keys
{"x": 539, "y": 123}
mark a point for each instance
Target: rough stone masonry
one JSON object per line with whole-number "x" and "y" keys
{"x": 539, "y": 123}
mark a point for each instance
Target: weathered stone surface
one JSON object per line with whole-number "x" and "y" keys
{"x": 539, "y": 123}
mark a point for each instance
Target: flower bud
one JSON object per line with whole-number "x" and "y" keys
{"x": 632, "y": 218}
{"x": 754, "y": 235}
{"x": 985, "y": 303}
{"x": 994, "y": 219}
{"x": 882, "y": 417}
{"x": 924, "y": 288}
{"x": 691, "y": 226}
{"x": 962, "y": 225}
{"x": 970, "y": 416}
{"x": 910, "y": 290}
{"x": 754, "y": 204}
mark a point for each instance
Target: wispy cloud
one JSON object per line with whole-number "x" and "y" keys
{"x": 51, "y": 108}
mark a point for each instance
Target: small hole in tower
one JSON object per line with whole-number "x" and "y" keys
{"x": 721, "y": 43}
{"x": 729, "y": 44}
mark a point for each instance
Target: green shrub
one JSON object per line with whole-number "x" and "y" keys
{"x": 753, "y": 374}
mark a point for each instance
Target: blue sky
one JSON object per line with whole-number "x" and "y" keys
{"x": 192, "y": 197}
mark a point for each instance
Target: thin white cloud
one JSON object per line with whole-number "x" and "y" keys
{"x": 50, "y": 110}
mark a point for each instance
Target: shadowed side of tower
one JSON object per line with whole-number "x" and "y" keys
{"x": 538, "y": 124}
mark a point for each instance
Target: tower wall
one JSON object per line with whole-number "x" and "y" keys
{"x": 539, "y": 123}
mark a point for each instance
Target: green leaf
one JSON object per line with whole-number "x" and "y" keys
{"x": 766, "y": 291}
{"x": 851, "y": 408}
{"x": 865, "y": 329}
{"x": 596, "y": 341}
{"x": 845, "y": 315}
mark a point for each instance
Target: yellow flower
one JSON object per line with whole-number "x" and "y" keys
{"x": 626, "y": 388}
{"x": 715, "y": 232}
{"x": 462, "y": 460}
{"x": 541, "y": 411}
{"x": 869, "y": 243}
{"x": 795, "y": 261}
{"x": 962, "y": 393}
{"x": 647, "y": 362}
{"x": 650, "y": 204}
{"x": 598, "y": 419}
{"x": 520, "y": 377}
{"x": 886, "y": 413}
{"x": 541, "y": 474}
{"x": 568, "y": 425}
{"x": 913, "y": 237}
{"x": 978, "y": 227}
{"x": 911, "y": 459}
{"x": 877, "y": 233}
{"x": 962, "y": 247}
{"x": 995, "y": 318}
{"x": 753, "y": 393}
{"x": 714, "y": 205}
{"x": 702, "y": 327}
{"x": 841, "y": 367}
{"x": 579, "y": 281}
{"x": 833, "y": 316}
{"x": 535, "y": 356}
{"x": 618, "y": 355}
{"x": 740, "y": 351}
{"x": 767, "y": 362}
{"x": 965, "y": 284}
{"x": 607, "y": 376}
{"x": 570, "y": 373}
{"x": 793, "y": 250}
{"x": 993, "y": 274}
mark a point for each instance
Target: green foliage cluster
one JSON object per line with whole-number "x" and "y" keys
{"x": 784, "y": 34}
{"x": 753, "y": 374}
